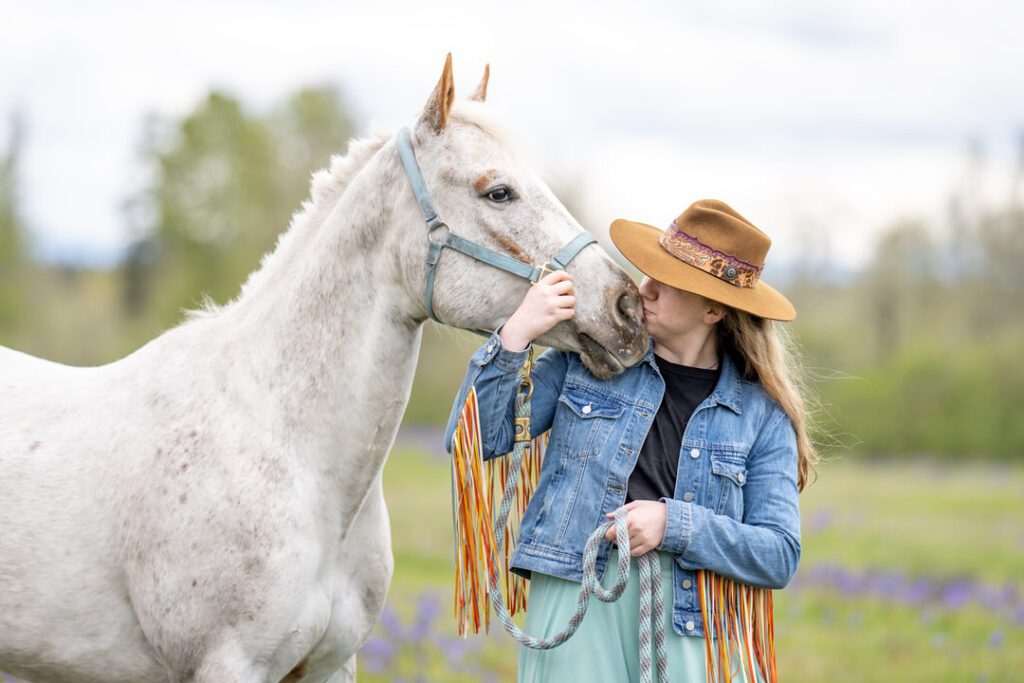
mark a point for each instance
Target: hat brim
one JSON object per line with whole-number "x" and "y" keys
{"x": 638, "y": 242}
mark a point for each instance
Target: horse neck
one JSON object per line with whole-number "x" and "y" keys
{"x": 329, "y": 329}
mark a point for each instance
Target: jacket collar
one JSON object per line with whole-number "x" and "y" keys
{"x": 728, "y": 390}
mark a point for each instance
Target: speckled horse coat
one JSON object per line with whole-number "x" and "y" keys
{"x": 209, "y": 508}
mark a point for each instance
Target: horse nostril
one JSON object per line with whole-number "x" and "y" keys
{"x": 628, "y": 305}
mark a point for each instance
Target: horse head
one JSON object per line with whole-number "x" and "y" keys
{"x": 486, "y": 194}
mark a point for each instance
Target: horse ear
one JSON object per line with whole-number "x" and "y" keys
{"x": 480, "y": 94}
{"x": 440, "y": 103}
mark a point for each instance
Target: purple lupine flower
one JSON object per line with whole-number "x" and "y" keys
{"x": 390, "y": 622}
{"x": 887, "y": 585}
{"x": 377, "y": 653}
{"x": 848, "y": 583}
{"x": 427, "y": 610}
{"x": 916, "y": 592}
{"x": 996, "y": 639}
{"x": 456, "y": 649}
{"x": 822, "y": 519}
{"x": 1009, "y": 593}
{"x": 956, "y": 594}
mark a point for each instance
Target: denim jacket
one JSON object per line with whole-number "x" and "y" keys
{"x": 734, "y": 510}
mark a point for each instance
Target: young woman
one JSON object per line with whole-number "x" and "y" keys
{"x": 704, "y": 441}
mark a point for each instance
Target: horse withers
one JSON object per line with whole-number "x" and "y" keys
{"x": 209, "y": 508}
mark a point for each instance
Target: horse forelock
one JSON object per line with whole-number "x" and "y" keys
{"x": 491, "y": 123}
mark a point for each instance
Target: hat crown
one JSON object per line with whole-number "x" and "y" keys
{"x": 710, "y": 250}
{"x": 718, "y": 226}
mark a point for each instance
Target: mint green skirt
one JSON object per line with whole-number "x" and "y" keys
{"x": 607, "y": 645}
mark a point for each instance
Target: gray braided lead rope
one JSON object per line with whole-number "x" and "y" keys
{"x": 652, "y": 608}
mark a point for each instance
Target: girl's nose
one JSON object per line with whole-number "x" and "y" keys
{"x": 647, "y": 288}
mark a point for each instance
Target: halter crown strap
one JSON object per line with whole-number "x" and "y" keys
{"x": 465, "y": 246}
{"x": 419, "y": 188}
{"x": 569, "y": 251}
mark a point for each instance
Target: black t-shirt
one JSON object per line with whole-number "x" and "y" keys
{"x": 654, "y": 476}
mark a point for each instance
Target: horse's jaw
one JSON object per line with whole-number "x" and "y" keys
{"x": 602, "y": 362}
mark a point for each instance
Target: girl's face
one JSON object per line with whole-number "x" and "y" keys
{"x": 671, "y": 314}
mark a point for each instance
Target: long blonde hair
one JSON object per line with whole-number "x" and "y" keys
{"x": 768, "y": 356}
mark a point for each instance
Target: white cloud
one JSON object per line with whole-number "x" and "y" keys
{"x": 852, "y": 113}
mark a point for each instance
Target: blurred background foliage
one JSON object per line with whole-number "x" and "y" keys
{"x": 916, "y": 353}
{"x": 912, "y": 555}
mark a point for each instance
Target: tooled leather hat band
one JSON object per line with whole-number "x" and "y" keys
{"x": 690, "y": 250}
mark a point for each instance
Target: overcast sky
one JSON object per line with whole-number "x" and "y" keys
{"x": 821, "y": 120}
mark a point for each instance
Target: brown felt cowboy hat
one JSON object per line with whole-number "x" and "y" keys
{"x": 709, "y": 250}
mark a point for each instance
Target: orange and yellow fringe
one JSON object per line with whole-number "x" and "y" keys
{"x": 739, "y": 630}
{"x": 476, "y": 497}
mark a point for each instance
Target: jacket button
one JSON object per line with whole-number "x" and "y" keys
{"x": 587, "y": 409}
{"x": 687, "y": 583}
{"x": 490, "y": 347}
{"x": 687, "y": 496}
{"x": 741, "y": 477}
{"x": 690, "y": 626}
{"x": 694, "y": 452}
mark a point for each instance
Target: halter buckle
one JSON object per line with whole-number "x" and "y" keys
{"x": 542, "y": 272}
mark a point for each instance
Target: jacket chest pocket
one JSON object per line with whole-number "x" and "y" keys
{"x": 728, "y": 477}
{"x": 589, "y": 420}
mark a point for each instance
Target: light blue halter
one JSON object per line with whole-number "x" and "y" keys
{"x": 471, "y": 249}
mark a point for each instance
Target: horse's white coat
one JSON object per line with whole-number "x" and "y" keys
{"x": 209, "y": 508}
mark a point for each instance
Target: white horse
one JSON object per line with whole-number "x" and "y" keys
{"x": 209, "y": 508}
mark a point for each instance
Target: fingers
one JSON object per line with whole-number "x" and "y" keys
{"x": 644, "y": 527}
{"x": 639, "y": 544}
{"x": 565, "y": 301}
{"x": 560, "y": 287}
{"x": 555, "y": 277}
{"x": 549, "y": 302}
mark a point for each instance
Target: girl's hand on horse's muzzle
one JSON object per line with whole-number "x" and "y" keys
{"x": 548, "y": 303}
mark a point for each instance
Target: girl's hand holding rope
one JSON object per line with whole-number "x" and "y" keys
{"x": 646, "y": 524}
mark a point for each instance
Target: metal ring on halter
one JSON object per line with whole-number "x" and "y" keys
{"x": 440, "y": 225}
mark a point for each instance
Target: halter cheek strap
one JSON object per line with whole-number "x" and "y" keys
{"x": 465, "y": 246}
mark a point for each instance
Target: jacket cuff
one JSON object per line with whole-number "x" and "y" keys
{"x": 678, "y": 525}
{"x": 505, "y": 360}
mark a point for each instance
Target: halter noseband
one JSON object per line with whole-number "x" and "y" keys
{"x": 467, "y": 247}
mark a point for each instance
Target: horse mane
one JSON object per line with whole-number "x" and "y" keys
{"x": 326, "y": 187}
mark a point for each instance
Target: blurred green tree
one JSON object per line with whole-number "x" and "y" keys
{"x": 12, "y": 231}
{"x": 225, "y": 184}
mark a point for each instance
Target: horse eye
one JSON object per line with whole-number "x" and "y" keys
{"x": 500, "y": 194}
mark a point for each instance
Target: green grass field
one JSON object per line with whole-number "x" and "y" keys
{"x": 911, "y": 571}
